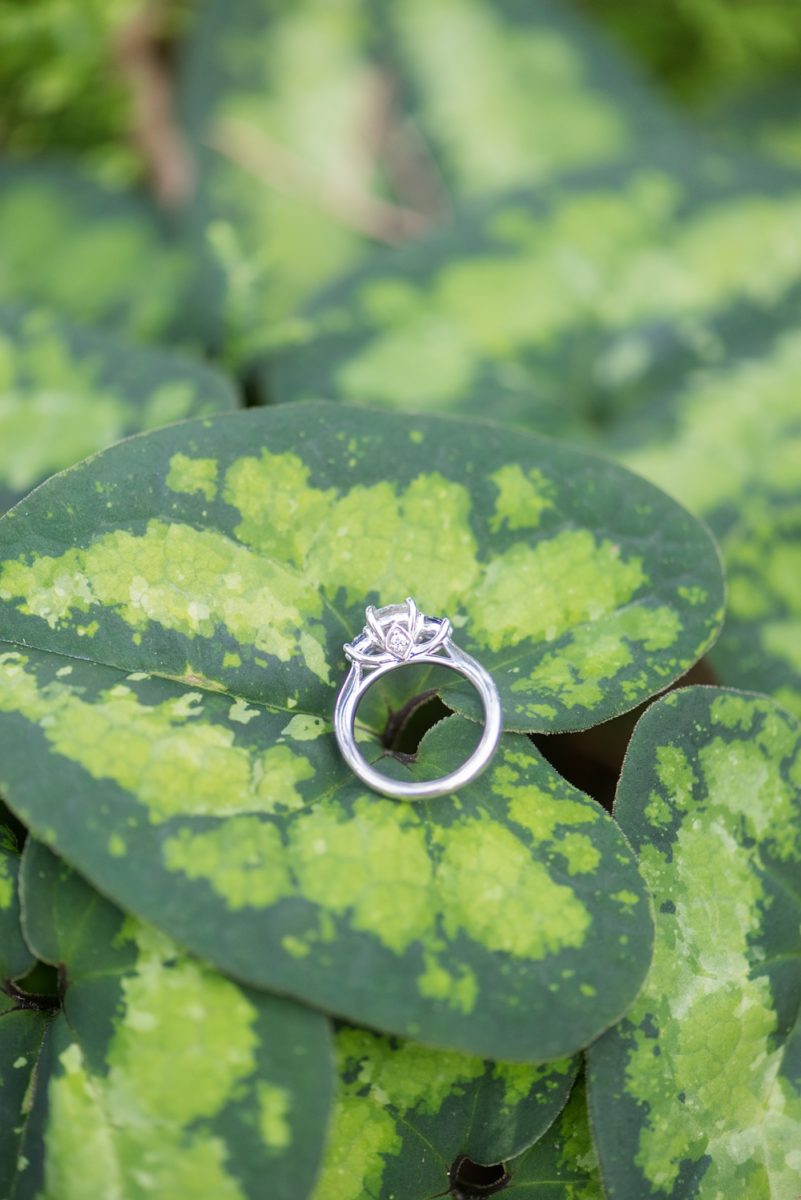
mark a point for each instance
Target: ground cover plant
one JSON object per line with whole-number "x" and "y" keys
{"x": 309, "y": 306}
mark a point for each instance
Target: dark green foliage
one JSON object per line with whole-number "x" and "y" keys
{"x": 410, "y": 215}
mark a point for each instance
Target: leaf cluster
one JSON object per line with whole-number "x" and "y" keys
{"x": 438, "y": 300}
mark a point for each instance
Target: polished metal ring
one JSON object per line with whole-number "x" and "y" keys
{"x": 394, "y": 636}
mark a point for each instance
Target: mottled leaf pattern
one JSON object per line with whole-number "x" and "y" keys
{"x": 234, "y": 557}
{"x": 66, "y": 392}
{"x": 323, "y": 130}
{"x": 236, "y": 827}
{"x": 531, "y": 307}
{"x": 405, "y": 1113}
{"x": 724, "y": 437}
{"x": 580, "y": 607}
{"x": 160, "y": 1077}
{"x": 623, "y": 309}
{"x": 98, "y": 255}
{"x": 697, "y": 1093}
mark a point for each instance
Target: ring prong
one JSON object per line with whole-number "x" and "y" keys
{"x": 413, "y": 618}
{"x": 373, "y": 624}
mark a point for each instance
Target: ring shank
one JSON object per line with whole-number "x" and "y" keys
{"x": 351, "y": 695}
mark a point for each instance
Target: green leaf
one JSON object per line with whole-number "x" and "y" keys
{"x": 15, "y": 957}
{"x": 531, "y": 308}
{"x": 66, "y": 392}
{"x": 209, "y": 796}
{"x": 725, "y": 439}
{"x": 405, "y": 1114}
{"x": 97, "y": 254}
{"x": 160, "y": 1075}
{"x": 697, "y": 1093}
{"x": 510, "y": 94}
{"x": 563, "y": 1165}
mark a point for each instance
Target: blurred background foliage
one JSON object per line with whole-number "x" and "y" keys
{"x": 68, "y": 72}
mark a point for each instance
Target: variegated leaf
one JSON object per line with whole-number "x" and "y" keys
{"x": 321, "y": 131}
{"x": 532, "y": 308}
{"x": 99, "y": 255}
{"x": 405, "y": 1114}
{"x": 174, "y": 612}
{"x": 160, "y": 1077}
{"x": 723, "y": 435}
{"x": 66, "y": 392}
{"x": 697, "y": 1092}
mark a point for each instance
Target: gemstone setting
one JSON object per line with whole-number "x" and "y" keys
{"x": 398, "y": 642}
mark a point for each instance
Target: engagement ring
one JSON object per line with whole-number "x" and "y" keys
{"x": 393, "y": 637}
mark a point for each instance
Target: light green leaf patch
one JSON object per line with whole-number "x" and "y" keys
{"x": 697, "y": 1093}
{"x": 239, "y": 554}
{"x": 532, "y": 305}
{"x": 66, "y": 393}
{"x": 406, "y": 1113}
{"x": 510, "y": 94}
{"x": 263, "y": 854}
{"x": 96, "y": 254}
{"x": 160, "y": 1077}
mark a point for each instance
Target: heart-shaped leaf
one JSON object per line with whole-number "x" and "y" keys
{"x": 160, "y": 1076}
{"x": 97, "y": 254}
{"x": 405, "y": 1114}
{"x": 563, "y": 1164}
{"x": 531, "y": 307}
{"x": 697, "y": 1093}
{"x": 66, "y": 392}
{"x": 235, "y": 555}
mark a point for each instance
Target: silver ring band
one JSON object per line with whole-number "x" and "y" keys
{"x": 394, "y": 636}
